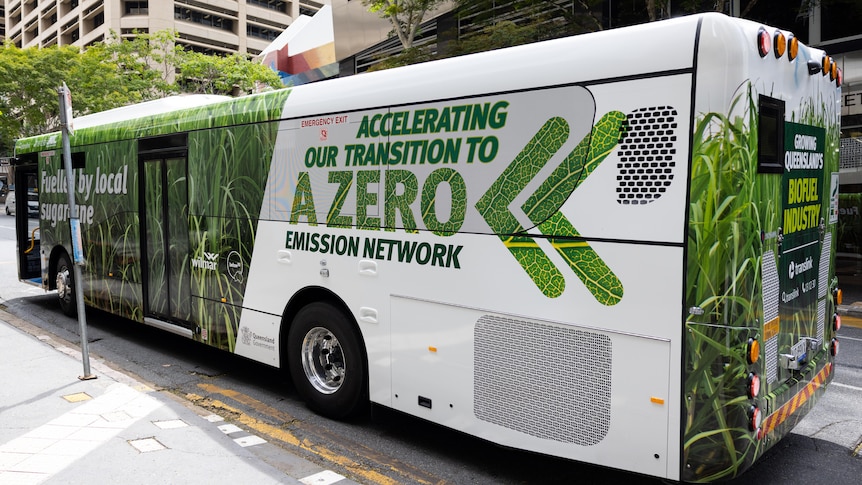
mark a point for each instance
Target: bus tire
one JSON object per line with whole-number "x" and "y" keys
{"x": 325, "y": 361}
{"x": 66, "y": 286}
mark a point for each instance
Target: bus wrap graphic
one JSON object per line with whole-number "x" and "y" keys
{"x": 542, "y": 207}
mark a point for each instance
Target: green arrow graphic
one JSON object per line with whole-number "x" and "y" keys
{"x": 493, "y": 206}
{"x": 542, "y": 207}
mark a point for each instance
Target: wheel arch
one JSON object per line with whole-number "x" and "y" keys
{"x": 313, "y": 294}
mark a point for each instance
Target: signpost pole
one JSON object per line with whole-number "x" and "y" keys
{"x": 74, "y": 226}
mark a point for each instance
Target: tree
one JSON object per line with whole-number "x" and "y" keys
{"x": 117, "y": 72}
{"x": 412, "y": 55}
{"x": 497, "y": 36}
{"x": 28, "y": 82}
{"x": 577, "y": 16}
{"x": 204, "y": 74}
{"x": 405, "y": 15}
{"x": 147, "y": 61}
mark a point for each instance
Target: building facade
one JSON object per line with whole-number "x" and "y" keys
{"x": 210, "y": 26}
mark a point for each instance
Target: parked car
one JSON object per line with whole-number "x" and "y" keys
{"x": 10, "y": 203}
{"x": 32, "y": 204}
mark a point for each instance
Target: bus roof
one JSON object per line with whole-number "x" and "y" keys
{"x": 613, "y": 54}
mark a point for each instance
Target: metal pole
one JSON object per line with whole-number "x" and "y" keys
{"x": 74, "y": 229}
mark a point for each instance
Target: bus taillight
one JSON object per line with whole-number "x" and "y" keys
{"x": 763, "y": 42}
{"x": 753, "y": 385}
{"x": 754, "y": 418}
{"x": 836, "y": 322}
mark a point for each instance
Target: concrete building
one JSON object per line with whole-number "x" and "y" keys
{"x": 210, "y": 26}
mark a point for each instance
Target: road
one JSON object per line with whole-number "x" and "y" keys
{"x": 388, "y": 447}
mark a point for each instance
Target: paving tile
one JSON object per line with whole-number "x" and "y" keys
{"x": 171, "y": 424}
{"x": 26, "y": 444}
{"x": 249, "y": 441}
{"x": 229, "y": 428}
{"x": 147, "y": 445}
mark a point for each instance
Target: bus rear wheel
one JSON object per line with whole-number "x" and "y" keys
{"x": 325, "y": 361}
{"x": 66, "y": 286}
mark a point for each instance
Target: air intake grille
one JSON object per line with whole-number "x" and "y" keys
{"x": 771, "y": 293}
{"x": 546, "y": 381}
{"x": 771, "y": 289}
{"x": 823, "y": 273}
{"x": 646, "y": 155}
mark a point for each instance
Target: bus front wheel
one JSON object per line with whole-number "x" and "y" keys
{"x": 66, "y": 286}
{"x": 326, "y": 362}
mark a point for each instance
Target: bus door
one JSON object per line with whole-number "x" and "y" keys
{"x": 164, "y": 219}
{"x": 26, "y": 209}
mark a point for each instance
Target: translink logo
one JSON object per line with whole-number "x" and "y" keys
{"x": 542, "y": 207}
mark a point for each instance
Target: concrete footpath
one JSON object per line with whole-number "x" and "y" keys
{"x": 58, "y": 429}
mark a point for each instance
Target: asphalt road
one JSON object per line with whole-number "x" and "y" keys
{"x": 388, "y": 447}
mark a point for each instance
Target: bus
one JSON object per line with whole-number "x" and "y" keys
{"x": 616, "y": 248}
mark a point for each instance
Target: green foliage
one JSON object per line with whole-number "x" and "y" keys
{"x": 497, "y": 36}
{"x": 29, "y": 80}
{"x": 405, "y": 15}
{"x": 413, "y": 55}
{"x": 110, "y": 74}
{"x": 207, "y": 74}
{"x": 577, "y": 16}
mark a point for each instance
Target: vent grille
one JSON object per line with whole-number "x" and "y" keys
{"x": 823, "y": 273}
{"x": 771, "y": 294}
{"x": 646, "y": 155}
{"x": 546, "y": 381}
{"x": 771, "y": 291}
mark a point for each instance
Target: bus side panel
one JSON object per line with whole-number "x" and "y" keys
{"x": 530, "y": 205}
{"x": 578, "y": 392}
{"x": 228, "y": 169}
{"x": 106, "y": 188}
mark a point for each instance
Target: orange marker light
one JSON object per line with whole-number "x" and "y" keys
{"x": 826, "y": 64}
{"x": 656, "y": 400}
{"x": 432, "y": 349}
{"x": 753, "y": 350}
{"x": 780, "y": 43}
{"x": 793, "y": 48}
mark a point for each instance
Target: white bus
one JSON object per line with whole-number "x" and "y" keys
{"x": 615, "y": 248}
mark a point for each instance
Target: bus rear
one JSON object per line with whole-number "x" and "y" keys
{"x": 761, "y": 290}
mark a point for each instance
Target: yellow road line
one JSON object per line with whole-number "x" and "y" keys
{"x": 285, "y": 436}
{"x": 851, "y": 321}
